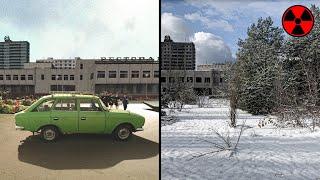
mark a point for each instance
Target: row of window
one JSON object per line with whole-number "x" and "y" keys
{"x": 100, "y": 74}
{"x": 16, "y": 77}
{"x": 59, "y": 77}
{"x": 69, "y": 105}
{"x": 189, "y": 79}
{"x": 125, "y": 74}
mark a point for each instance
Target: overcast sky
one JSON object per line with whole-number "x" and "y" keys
{"x": 216, "y": 25}
{"x": 85, "y": 28}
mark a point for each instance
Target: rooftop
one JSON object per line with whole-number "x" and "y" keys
{"x": 68, "y": 95}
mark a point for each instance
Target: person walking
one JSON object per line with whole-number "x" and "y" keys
{"x": 125, "y": 102}
{"x": 17, "y": 105}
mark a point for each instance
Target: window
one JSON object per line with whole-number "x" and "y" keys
{"x": 101, "y": 74}
{"x": 146, "y": 74}
{"x": 221, "y": 80}
{"x": 62, "y": 88}
{"x": 156, "y": 74}
{"x": 81, "y": 66}
{"x": 1, "y": 77}
{"x": 190, "y": 79}
{"x": 30, "y": 77}
{"x": 15, "y": 77}
{"x": 71, "y": 77}
{"x": 134, "y": 74}
{"x": 81, "y": 77}
{"x": 59, "y": 77}
{"x": 42, "y": 76}
{"x": 163, "y": 79}
{"x": 89, "y": 105}
{"x": 198, "y": 79}
{"x": 91, "y": 76}
{"x": 45, "y": 106}
{"x": 8, "y": 77}
{"x": 207, "y": 80}
{"x": 171, "y": 79}
{"x": 112, "y": 74}
{"x": 123, "y": 74}
{"x": 53, "y": 77}
{"x": 65, "y": 77}
{"x": 181, "y": 79}
{"x": 65, "y": 105}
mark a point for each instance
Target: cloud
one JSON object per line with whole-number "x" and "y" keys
{"x": 175, "y": 27}
{"x": 210, "y": 48}
{"x": 210, "y": 22}
{"x": 69, "y": 28}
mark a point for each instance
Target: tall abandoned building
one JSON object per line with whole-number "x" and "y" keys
{"x": 177, "y": 55}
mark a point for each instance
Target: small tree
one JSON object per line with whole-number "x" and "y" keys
{"x": 233, "y": 92}
{"x": 181, "y": 92}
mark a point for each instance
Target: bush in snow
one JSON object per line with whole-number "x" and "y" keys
{"x": 179, "y": 92}
{"x": 227, "y": 142}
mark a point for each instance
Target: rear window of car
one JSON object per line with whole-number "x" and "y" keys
{"x": 89, "y": 105}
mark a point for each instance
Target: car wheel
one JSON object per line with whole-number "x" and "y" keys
{"x": 49, "y": 133}
{"x": 123, "y": 132}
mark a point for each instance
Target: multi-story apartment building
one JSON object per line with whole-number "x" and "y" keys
{"x": 134, "y": 77}
{"x": 13, "y": 54}
{"x": 177, "y": 55}
{"x": 178, "y": 64}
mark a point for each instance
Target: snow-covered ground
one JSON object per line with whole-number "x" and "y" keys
{"x": 263, "y": 153}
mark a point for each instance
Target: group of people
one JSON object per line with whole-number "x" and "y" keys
{"x": 111, "y": 100}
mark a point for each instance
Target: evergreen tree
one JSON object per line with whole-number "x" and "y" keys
{"x": 257, "y": 67}
{"x": 301, "y": 66}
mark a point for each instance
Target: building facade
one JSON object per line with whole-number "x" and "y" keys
{"x": 13, "y": 54}
{"x": 178, "y": 66}
{"x": 134, "y": 77}
{"x": 205, "y": 82}
{"x": 177, "y": 55}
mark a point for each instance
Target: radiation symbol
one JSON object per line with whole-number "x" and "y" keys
{"x": 297, "y": 20}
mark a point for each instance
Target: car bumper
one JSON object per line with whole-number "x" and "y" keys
{"x": 19, "y": 128}
{"x": 139, "y": 129}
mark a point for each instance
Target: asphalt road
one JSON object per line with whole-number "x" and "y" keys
{"x": 80, "y": 156}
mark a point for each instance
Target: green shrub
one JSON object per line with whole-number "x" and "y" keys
{"x": 22, "y": 107}
{"x": 9, "y": 102}
{"x": 26, "y": 102}
{"x": 6, "y": 109}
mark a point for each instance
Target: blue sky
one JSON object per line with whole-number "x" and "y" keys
{"x": 216, "y": 26}
{"x": 84, "y": 28}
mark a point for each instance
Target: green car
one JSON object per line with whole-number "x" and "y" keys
{"x": 58, "y": 114}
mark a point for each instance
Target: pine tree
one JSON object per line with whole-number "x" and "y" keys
{"x": 257, "y": 67}
{"x": 301, "y": 67}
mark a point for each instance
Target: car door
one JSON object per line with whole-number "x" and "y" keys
{"x": 64, "y": 114}
{"x": 41, "y": 115}
{"x": 91, "y": 116}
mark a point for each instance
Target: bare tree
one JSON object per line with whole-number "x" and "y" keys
{"x": 228, "y": 143}
{"x": 179, "y": 90}
{"x": 233, "y": 89}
